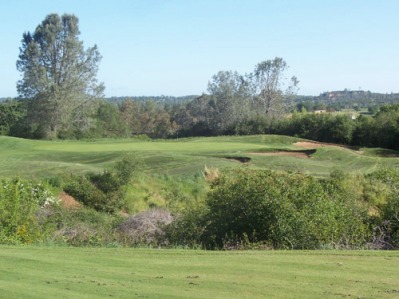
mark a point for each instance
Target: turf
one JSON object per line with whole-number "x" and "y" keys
{"x": 46, "y": 272}
{"x": 179, "y": 157}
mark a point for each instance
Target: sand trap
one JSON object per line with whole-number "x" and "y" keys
{"x": 308, "y": 144}
{"x": 282, "y": 153}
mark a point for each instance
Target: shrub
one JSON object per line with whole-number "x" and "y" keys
{"x": 20, "y": 201}
{"x": 285, "y": 210}
{"x": 105, "y": 192}
{"x": 128, "y": 167}
{"x": 188, "y": 226}
{"x": 83, "y": 190}
{"x": 145, "y": 228}
{"x": 82, "y": 227}
{"x": 387, "y": 224}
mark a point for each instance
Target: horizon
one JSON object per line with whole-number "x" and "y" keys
{"x": 156, "y": 48}
{"x": 197, "y": 95}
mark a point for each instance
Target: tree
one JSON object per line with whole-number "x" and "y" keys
{"x": 58, "y": 75}
{"x": 268, "y": 87}
{"x": 11, "y": 113}
{"x": 229, "y": 97}
{"x": 109, "y": 121}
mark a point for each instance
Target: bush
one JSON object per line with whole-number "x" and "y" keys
{"x": 284, "y": 210}
{"x": 128, "y": 167}
{"x": 20, "y": 201}
{"x": 82, "y": 227}
{"x": 105, "y": 192}
{"x": 147, "y": 228}
{"x": 387, "y": 224}
{"x": 84, "y": 190}
{"x": 188, "y": 226}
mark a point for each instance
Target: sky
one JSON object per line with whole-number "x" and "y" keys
{"x": 174, "y": 47}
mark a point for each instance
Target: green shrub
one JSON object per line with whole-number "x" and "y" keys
{"x": 106, "y": 181}
{"x": 20, "y": 202}
{"x": 285, "y": 210}
{"x": 82, "y": 227}
{"x": 387, "y": 224}
{"x": 85, "y": 191}
{"x": 128, "y": 167}
{"x": 188, "y": 226}
{"x": 105, "y": 192}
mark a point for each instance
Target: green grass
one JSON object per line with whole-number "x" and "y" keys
{"x": 36, "y": 272}
{"x": 176, "y": 157}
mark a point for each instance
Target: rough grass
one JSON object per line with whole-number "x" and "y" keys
{"x": 35, "y": 272}
{"x": 177, "y": 157}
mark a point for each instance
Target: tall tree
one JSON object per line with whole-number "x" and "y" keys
{"x": 270, "y": 87}
{"x": 58, "y": 75}
{"x": 229, "y": 99}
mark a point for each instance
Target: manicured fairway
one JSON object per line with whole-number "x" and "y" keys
{"x": 46, "y": 272}
{"x": 179, "y": 157}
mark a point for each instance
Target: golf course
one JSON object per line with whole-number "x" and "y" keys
{"x": 41, "y": 158}
{"x": 46, "y": 271}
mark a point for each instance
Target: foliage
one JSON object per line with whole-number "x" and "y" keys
{"x": 82, "y": 227}
{"x": 189, "y": 226}
{"x": 105, "y": 191}
{"x": 83, "y": 189}
{"x": 268, "y": 81}
{"x": 229, "y": 101}
{"x": 388, "y": 222}
{"x": 12, "y": 114}
{"x": 20, "y": 201}
{"x": 58, "y": 75}
{"x": 284, "y": 210}
{"x": 127, "y": 168}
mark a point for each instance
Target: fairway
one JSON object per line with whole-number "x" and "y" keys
{"x": 34, "y": 158}
{"x": 46, "y": 272}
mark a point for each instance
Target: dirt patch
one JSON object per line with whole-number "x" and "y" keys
{"x": 68, "y": 201}
{"x": 308, "y": 144}
{"x": 296, "y": 154}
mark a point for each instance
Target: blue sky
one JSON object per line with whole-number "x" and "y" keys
{"x": 174, "y": 47}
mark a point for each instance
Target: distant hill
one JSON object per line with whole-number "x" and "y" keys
{"x": 348, "y": 99}
{"x": 158, "y": 99}
{"x": 334, "y": 99}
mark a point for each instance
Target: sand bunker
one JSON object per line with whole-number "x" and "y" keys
{"x": 308, "y": 144}
{"x": 296, "y": 154}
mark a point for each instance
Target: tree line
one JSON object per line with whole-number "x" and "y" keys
{"x": 60, "y": 97}
{"x": 207, "y": 115}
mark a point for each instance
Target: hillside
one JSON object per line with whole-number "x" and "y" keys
{"x": 349, "y": 99}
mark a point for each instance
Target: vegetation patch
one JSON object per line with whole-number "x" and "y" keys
{"x": 145, "y": 228}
